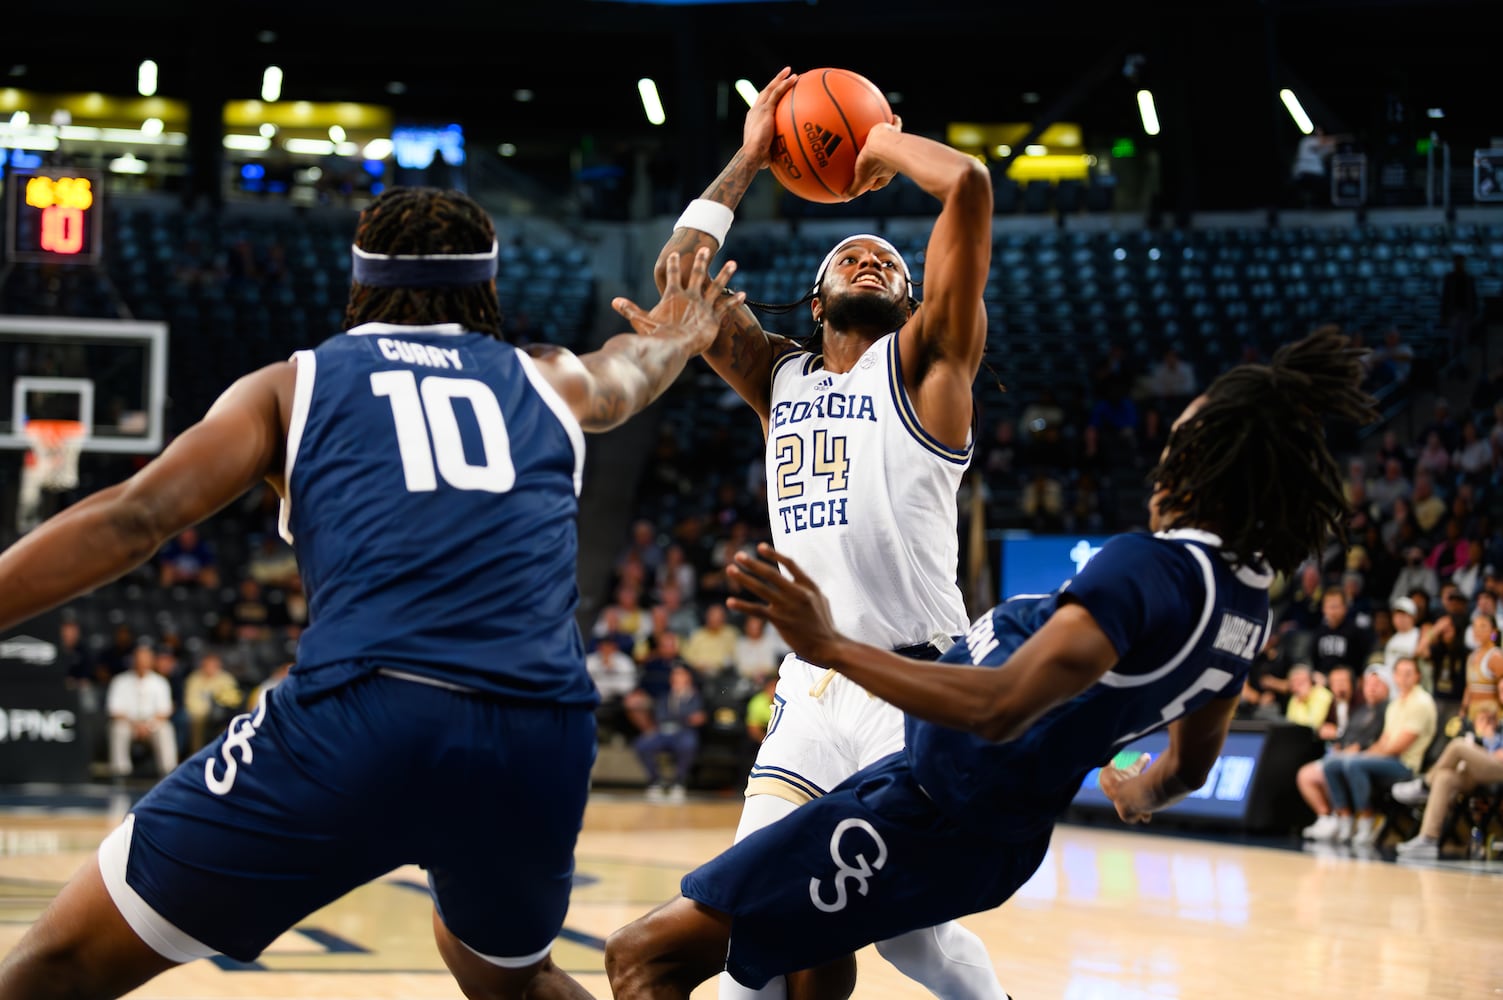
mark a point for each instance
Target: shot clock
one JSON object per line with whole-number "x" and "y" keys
{"x": 52, "y": 216}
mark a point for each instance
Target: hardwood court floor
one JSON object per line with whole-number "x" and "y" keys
{"x": 1111, "y": 915}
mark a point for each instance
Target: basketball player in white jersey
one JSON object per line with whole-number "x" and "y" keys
{"x": 868, "y": 432}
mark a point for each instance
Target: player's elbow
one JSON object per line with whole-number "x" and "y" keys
{"x": 972, "y": 188}
{"x": 134, "y": 528}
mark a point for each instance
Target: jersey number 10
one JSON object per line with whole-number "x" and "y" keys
{"x": 421, "y": 409}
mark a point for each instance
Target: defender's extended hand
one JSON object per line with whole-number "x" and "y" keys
{"x": 691, "y": 303}
{"x": 793, "y": 603}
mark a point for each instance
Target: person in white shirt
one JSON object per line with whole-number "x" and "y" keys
{"x": 139, "y": 703}
{"x": 759, "y": 650}
{"x": 1406, "y": 633}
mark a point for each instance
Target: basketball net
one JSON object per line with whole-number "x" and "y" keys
{"x": 51, "y": 465}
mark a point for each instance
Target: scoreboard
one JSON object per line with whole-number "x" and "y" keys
{"x": 52, "y": 216}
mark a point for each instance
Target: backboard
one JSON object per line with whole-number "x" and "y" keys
{"x": 110, "y": 375}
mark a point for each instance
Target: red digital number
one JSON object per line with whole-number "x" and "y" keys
{"x": 62, "y": 229}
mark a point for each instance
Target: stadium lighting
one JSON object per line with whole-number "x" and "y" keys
{"x": 146, "y": 79}
{"x": 336, "y": 133}
{"x": 1296, "y": 111}
{"x": 1148, "y": 112}
{"x": 271, "y": 84}
{"x": 377, "y": 149}
{"x": 151, "y": 128}
{"x": 651, "y": 103}
{"x": 747, "y": 90}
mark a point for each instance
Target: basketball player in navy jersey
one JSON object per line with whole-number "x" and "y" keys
{"x": 1157, "y": 630}
{"x": 439, "y": 712}
{"x": 868, "y": 437}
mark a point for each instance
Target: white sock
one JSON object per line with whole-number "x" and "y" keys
{"x": 949, "y": 961}
{"x": 757, "y": 812}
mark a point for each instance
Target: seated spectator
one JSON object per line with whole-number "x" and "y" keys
{"x": 1408, "y": 727}
{"x": 1309, "y": 703}
{"x": 1267, "y": 687}
{"x": 278, "y": 675}
{"x": 1305, "y": 602}
{"x": 1043, "y": 501}
{"x": 761, "y": 710}
{"x": 1466, "y": 763}
{"x": 187, "y": 560}
{"x": 1338, "y": 641}
{"x": 250, "y": 612}
{"x": 139, "y": 703}
{"x": 1433, "y": 461}
{"x": 657, "y": 666}
{"x": 1171, "y": 381}
{"x": 678, "y": 572}
{"x": 1470, "y": 578}
{"x": 1115, "y": 415}
{"x": 1427, "y": 506}
{"x": 625, "y": 614}
{"x": 1358, "y": 605}
{"x": 1363, "y": 728}
{"x": 1450, "y": 553}
{"x": 1392, "y": 361}
{"x": 273, "y": 563}
{"x": 1473, "y": 457}
{"x": 644, "y": 546}
{"x": 1001, "y": 455}
{"x": 211, "y": 697}
{"x": 677, "y": 615}
{"x": 1344, "y": 701}
{"x": 676, "y": 719}
{"x": 759, "y": 650}
{"x": 1406, "y": 636}
{"x": 712, "y": 646}
{"x": 1389, "y": 487}
{"x": 615, "y": 676}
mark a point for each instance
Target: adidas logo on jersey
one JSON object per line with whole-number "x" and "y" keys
{"x": 824, "y": 383}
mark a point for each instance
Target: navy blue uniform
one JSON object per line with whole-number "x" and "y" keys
{"x": 955, "y": 824}
{"x": 440, "y": 689}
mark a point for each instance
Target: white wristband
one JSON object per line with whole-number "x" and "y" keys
{"x": 710, "y": 217}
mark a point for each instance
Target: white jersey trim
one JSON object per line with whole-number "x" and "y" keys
{"x": 302, "y": 399}
{"x": 560, "y": 410}
{"x": 1113, "y": 679}
{"x": 151, "y": 927}
{"x": 1258, "y": 577}
{"x": 909, "y": 416}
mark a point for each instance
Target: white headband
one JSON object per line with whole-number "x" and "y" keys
{"x": 829, "y": 257}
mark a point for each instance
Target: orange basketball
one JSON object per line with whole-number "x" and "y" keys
{"x": 822, "y": 122}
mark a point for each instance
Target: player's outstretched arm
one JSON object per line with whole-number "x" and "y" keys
{"x": 1061, "y": 660}
{"x": 1195, "y": 741}
{"x": 743, "y": 353}
{"x": 942, "y": 345}
{"x": 239, "y": 442}
{"x": 605, "y": 387}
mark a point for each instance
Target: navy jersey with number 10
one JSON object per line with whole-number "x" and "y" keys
{"x": 433, "y": 479}
{"x": 1186, "y": 625}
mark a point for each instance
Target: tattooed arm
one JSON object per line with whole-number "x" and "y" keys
{"x": 605, "y": 387}
{"x": 743, "y": 352}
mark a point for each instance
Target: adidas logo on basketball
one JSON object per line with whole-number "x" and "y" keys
{"x": 821, "y": 141}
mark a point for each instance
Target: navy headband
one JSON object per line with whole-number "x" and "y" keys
{"x": 422, "y": 270}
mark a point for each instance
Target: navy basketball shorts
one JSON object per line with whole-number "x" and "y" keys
{"x": 299, "y": 803}
{"x": 872, "y": 859}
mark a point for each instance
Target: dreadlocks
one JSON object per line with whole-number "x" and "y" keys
{"x": 1252, "y": 462}
{"x": 419, "y": 220}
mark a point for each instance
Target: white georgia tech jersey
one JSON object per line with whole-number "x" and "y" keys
{"x": 863, "y": 498}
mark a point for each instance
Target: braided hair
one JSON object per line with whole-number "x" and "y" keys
{"x": 1252, "y": 463}
{"x": 417, "y": 220}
